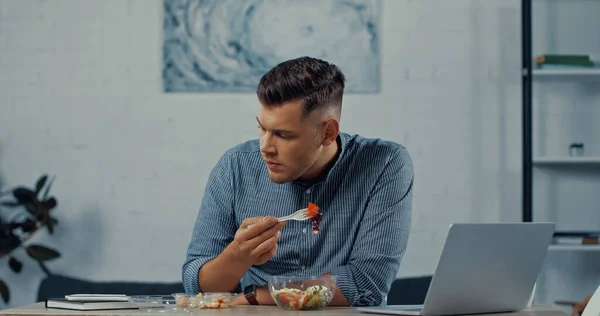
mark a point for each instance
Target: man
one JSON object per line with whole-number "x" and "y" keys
{"x": 362, "y": 186}
{"x": 579, "y": 307}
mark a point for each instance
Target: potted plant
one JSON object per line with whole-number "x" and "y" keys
{"x": 28, "y": 212}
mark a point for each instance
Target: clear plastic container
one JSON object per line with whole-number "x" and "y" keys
{"x": 155, "y": 303}
{"x": 205, "y": 300}
{"x": 302, "y": 292}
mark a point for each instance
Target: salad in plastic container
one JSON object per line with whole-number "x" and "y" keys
{"x": 302, "y": 292}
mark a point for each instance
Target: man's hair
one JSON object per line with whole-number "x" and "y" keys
{"x": 316, "y": 82}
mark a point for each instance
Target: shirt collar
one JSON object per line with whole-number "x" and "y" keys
{"x": 342, "y": 140}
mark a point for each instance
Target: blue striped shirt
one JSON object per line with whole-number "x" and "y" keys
{"x": 366, "y": 200}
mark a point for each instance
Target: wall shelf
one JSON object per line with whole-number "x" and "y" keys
{"x": 548, "y": 161}
{"x": 574, "y": 248}
{"x": 567, "y": 72}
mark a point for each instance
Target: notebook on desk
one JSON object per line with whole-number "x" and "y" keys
{"x": 483, "y": 268}
{"x": 88, "y": 305}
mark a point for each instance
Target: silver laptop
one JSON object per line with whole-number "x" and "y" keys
{"x": 483, "y": 268}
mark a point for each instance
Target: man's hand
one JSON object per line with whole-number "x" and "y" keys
{"x": 255, "y": 242}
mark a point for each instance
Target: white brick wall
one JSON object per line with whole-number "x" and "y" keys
{"x": 80, "y": 97}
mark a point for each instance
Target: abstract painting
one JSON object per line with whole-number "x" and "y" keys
{"x": 227, "y": 45}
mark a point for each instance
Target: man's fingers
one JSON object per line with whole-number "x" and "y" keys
{"x": 257, "y": 238}
{"x": 265, "y": 235}
{"x": 257, "y": 228}
{"x": 265, "y": 246}
{"x": 252, "y": 220}
{"x": 268, "y": 254}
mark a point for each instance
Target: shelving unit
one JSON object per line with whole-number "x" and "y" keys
{"x": 560, "y": 106}
{"x": 553, "y": 163}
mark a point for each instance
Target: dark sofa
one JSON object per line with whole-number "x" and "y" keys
{"x": 410, "y": 290}
{"x": 54, "y": 286}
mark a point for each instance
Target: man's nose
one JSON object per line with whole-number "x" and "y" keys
{"x": 266, "y": 144}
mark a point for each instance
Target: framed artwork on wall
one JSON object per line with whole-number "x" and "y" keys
{"x": 227, "y": 45}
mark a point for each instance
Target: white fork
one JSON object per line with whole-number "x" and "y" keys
{"x": 299, "y": 215}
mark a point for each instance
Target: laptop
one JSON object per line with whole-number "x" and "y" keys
{"x": 483, "y": 268}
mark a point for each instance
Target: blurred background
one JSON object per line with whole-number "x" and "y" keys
{"x": 126, "y": 105}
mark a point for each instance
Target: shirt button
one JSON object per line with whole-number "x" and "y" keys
{"x": 304, "y": 230}
{"x": 308, "y": 191}
{"x": 303, "y": 267}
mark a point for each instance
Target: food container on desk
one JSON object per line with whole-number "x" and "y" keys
{"x": 203, "y": 300}
{"x": 155, "y": 303}
{"x": 302, "y": 292}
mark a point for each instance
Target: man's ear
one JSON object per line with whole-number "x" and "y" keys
{"x": 331, "y": 131}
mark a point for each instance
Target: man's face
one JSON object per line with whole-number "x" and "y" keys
{"x": 290, "y": 143}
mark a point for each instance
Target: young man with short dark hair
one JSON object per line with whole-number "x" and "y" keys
{"x": 362, "y": 186}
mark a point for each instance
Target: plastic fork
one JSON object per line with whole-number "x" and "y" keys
{"x": 299, "y": 215}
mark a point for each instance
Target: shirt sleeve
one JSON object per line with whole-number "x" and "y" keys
{"x": 214, "y": 227}
{"x": 382, "y": 236}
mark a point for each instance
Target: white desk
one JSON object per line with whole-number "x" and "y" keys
{"x": 38, "y": 309}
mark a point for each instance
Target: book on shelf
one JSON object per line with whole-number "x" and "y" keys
{"x": 565, "y": 67}
{"x": 563, "y": 60}
{"x": 576, "y": 238}
{"x": 88, "y": 305}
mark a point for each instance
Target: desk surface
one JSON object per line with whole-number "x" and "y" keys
{"x": 38, "y": 309}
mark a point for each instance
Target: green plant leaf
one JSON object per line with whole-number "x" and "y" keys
{"x": 10, "y": 204}
{"x": 28, "y": 226}
{"x": 31, "y": 208}
{"x": 48, "y": 188}
{"x": 8, "y": 244}
{"x": 4, "y": 292}
{"x": 41, "y": 253}
{"x": 50, "y": 203}
{"x": 50, "y": 226}
{"x": 24, "y": 195}
{"x": 15, "y": 264}
{"x": 40, "y": 184}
